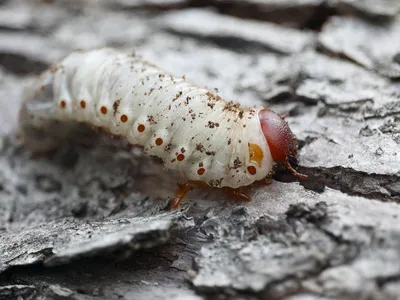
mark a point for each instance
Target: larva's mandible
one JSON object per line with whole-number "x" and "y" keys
{"x": 193, "y": 131}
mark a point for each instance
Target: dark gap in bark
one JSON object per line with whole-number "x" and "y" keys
{"x": 21, "y": 65}
{"x": 231, "y": 43}
{"x": 304, "y": 17}
{"x": 348, "y": 181}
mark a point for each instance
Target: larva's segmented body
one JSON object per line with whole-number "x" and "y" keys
{"x": 190, "y": 129}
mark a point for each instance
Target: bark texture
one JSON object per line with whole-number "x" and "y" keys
{"x": 93, "y": 223}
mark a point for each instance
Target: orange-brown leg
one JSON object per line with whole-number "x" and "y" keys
{"x": 183, "y": 189}
{"x": 238, "y": 194}
{"x": 242, "y": 192}
{"x": 285, "y": 115}
{"x": 294, "y": 172}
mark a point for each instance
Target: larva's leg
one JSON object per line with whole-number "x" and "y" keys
{"x": 183, "y": 189}
{"x": 293, "y": 171}
{"x": 242, "y": 192}
{"x": 180, "y": 194}
{"x": 239, "y": 193}
{"x": 285, "y": 115}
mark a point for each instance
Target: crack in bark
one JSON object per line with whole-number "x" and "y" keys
{"x": 232, "y": 43}
{"x": 21, "y": 65}
{"x": 373, "y": 186}
{"x": 308, "y": 16}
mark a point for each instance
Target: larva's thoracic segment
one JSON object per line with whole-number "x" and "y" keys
{"x": 189, "y": 128}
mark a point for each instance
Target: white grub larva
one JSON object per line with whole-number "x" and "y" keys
{"x": 209, "y": 140}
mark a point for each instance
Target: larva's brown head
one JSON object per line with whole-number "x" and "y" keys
{"x": 281, "y": 141}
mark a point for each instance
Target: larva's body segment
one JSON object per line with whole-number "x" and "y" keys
{"x": 190, "y": 129}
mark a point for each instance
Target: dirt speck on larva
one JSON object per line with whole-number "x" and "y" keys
{"x": 115, "y": 106}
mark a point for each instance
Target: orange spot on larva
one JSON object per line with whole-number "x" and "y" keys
{"x": 159, "y": 141}
{"x": 124, "y": 118}
{"x": 103, "y": 110}
{"x": 180, "y": 157}
{"x": 140, "y": 128}
{"x": 256, "y": 154}
{"x": 252, "y": 170}
{"x": 201, "y": 171}
{"x": 83, "y": 104}
{"x": 63, "y": 104}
